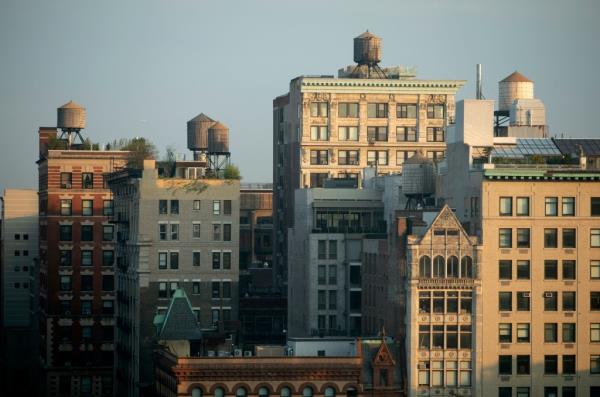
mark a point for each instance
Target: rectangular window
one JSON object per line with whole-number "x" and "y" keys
{"x": 226, "y": 260}
{"x": 435, "y": 111}
{"x": 569, "y": 238}
{"x": 595, "y": 238}
{"x": 196, "y": 205}
{"x": 505, "y": 392}
{"x": 216, "y": 231}
{"x": 595, "y": 364}
{"x": 568, "y": 332}
{"x": 321, "y": 300}
{"x": 505, "y": 332}
{"x": 595, "y": 270}
{"x": 332, "y": 249}
{"x": 87, "y": 283}
{"x": 66, "y": 258}
{"x": 569, "y": 270}
{"x": 551, "y": 364}
{"x": 435, "y": 134}
{"x": 172, "y": 288}
{"x": 162, "y": 290}
{"x": 174, "y": 207}
{"x": 318, "y": 109}
{"x": 108, "y": 257}
{"x": 348, "y": 157}
{"x": 568, "y": 391}
{"x": 424, "y": 336}
{"x": 594, "y": 300}
{"x": 551, "y": 206}
{"x": 550, "y": 301}
{"x": 403, "y": 155}
{"x": 569, "y": 365}
{"x": 522, "y": 391}
{"x": 506, "y": 206}
{"x": 174, "y": 231}
{"x": 65, "y": 283}
{"x": 196, "y": 227}
{"x": 423, "y": 373}
{"x": 505, "y": 269}
{"x": 227, "y": 232}
{"x": 163, "y": 207}
{"x": 87, "y": 180}
{"x": 505, "y": 238}
{"x": 162, "y": 231}
{"x": 523, "y": 238}
{"x": 196, "y": 287}
{"x": 216, "y": 260}
{"x": 196, "y": 259}
{"x": 226, "y": 289}
{"x": 377, "y": 157}
{"x": 162, "y": 260}
{"x": 406, "y": 111}
{"x": 322, "y": 275}
{"x": 348, "y": 110}
{"x": 550, "y": 391}
{"x": 319, "y": 133}
{"x": 86, "y": 307}
{"x": 319, "y": 157}
{"x": 348, "y": 133}
{"x": 87, "y": 232}
{"x": 406, "y": 134}
{"x": 332, "y": 300}
{"x": 522, "y": 206}
{"x": 595, "y": 206}
{"x": 505, "y": 365}
{"x": 108, "y": 233}
{"x": 550, "y": 269}
{"x": 332, "y": 274}
{"x": 107, "y": 207}
{"x": 174, "y": 260}
{"x": 108, "y": 283}
{"x": 226, "y": 207}
{"x": 87, "y": 207}
{"x": 550, "y": 238}
{"x": 595, "y": 332}
{"x": 523, "y": 270}
{"x": 523, "y": 333}
{"x": 377, "y": 110}
{"x": 550, "y": 333}
{"x": 216, "y": 290}
{"x": 86, "y": 257}
{"x": 505, "y": 301}
{"x": 216, "y": 207}
{"x": 66, "y": 207}
{"x": 523, "y": 301}
{"x": 66, "y": 180}
{"x": 523, "y": 365}
{"x": 377, "y": 134}
{"x": 66, "y": 232}
{"x": 568, "y": 206}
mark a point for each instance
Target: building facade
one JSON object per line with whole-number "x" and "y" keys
{"x": 173, "y": 233}
{"x": 76, "y": 268}
{"x": 327, "y": 127}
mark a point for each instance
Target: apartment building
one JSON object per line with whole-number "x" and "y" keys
{"x": 173, "y": 233}
{"x": 19, "y": 260}
{"x": 76, "y": 268}
{"x": 541, "y": 281}
{"x": 327, "y": 127}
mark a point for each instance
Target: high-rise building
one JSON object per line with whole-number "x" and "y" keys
{"x": 18, "y": 314}
{"x": 327, "y": 127}
{"x": 76, "y": 251}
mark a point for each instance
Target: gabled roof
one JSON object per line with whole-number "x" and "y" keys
{"x": 516, "y": 77}
{"x": 383, "y": 357}
{"x": 180, "y": 321}
{"x": 445, "y": 218}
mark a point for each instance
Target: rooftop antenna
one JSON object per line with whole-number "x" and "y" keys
{"x": 478, "y": 88}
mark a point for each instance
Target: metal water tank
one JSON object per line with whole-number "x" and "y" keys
{"x": 218, "y": 138}
{"x": 418, "y": 176}
{"x": 367, "y": 49}
{"x": 71, "y": 116}
{"x": 197, "y": 132}
{"x": 515, "y": 86}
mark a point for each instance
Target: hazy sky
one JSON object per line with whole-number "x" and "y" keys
{"x": 144, "y": 68}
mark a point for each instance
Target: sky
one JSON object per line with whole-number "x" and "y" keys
{"x": 146, "y": 67}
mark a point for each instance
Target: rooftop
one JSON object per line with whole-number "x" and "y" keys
{"x": 516, "y": 77}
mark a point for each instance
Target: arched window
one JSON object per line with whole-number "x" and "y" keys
{"x": 438, "y": 266}
{"x": 425, "y": 266}
{"x": 307, "y": 391}
{"x": 286, "y": 392}
{"x": 263, "y": 392}
{"x": 351, "y": 392}
{"x": 466, "y": 267}
{"x": 196, "y": 392}
{"x": 219, "y": 392}
{"x": 329, "y": 392}
{"x": 452, "y": 267}
{"x": 241, "y": 392}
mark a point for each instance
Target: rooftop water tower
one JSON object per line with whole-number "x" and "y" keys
{"x": 197, "y": 135}
{"x": 418, "y": 180}
{"x": 367, "y": 55}
{"x": 71, "y": 120}
{"x": 218, "y": 147}
{"x": 513, "y": 87}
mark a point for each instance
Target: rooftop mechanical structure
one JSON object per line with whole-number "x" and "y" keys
{"x": 71, "y": 120}
{"x": 367, "y": 55}
{"x": 208, "y": 139}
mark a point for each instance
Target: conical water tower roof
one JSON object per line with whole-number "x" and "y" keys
{"x": 201, "y": 117}
{"x": 418, "y": 158}
{"x": 516, "y": 77}
{"x": 366, "y": 35}
{"x": 218, "y": 126}
{"x": 71, "y": 105}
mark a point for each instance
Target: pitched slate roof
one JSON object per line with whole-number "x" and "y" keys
{"x": 180, "y": 321}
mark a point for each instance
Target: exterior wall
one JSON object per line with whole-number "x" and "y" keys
{"x": 75, "y": 363}
{"x": 375, "y": 283}
{"x": 537, "y": 189}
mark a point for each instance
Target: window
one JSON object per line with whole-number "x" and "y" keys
{"x": 216, "y": 207}
{"x": 435, "y": 134}
{"x": 348, "y": 109}
{"x": 174, "y": 231}
{"x": 174, "y": 260}
{"x": 551, "y": 206}
{"x": 595, "y": 332}
{"x": 66, "y": 258}
{"x": 87, "y": 283}
{"x": 568, "y": 332}
{"x": 87, "y": 207}
{"x": 569, "y": 238}
{"x": 505, "y": 332}
{"x": 505, "y": 301}
{"x": 318, "y": 109}
{"x": 523, "y": 270}
{"x": 227, "y": 289}
{"x": 175, "y": 207}
{"x": 227, "y": 232}
{"x": 523, "y": 301}
{"x": 569, "y": 270}
{"x": 466, "y": 302}
{"x": 377, "y": 157}
{"x": 550, "y": 269}
{"x": 322, "y": 275}
{"x": 506, "y": 206}
{"x": 550, "y": 238}
{"x": 196, "y": 392}
{"x": 438, "y": 266}
{"x": 86, "y": 384}
{"x": 162, "y": 231}
{"x": 285, "y": 392}
{"x": 107, "y": 207}
{"x": 87, "y": 232}
{"x": 505, "y": 392}
{"x": 568, "y": 206}
{"x": 196, "y": 205}
{"x": 595, "y": 364}
{"x": 595, "y": 238}
{"x": 321, "y": 300}
{"x": 226, "y": 207}
{"x": 332, "y": 249}
{"x": 196, "y": 230}
{"x": 66, "y": 180}
{"x": 594, "y": 300}
{"x": 379, "y": 134}
{"x": 66, "y": 207}
{"x": 226, "y": 260}
{"x": 87, "y": 257}
{"x": 162, "y": 260}
{"x": 550, "y": 391}
{"x": 505, "y": 238}
{"x": 406, "y": 111}
{"x": 66, "y": 233}
{"x": 550, "y": 301}
{"x": 348, "y": 157}
{"x": 550, "y": 364}
{"x": 332, "y": 274}
{"x": 108, "y": 283}
{"x": 216, "y": 260}
{"x": 595, "y": 206}
{"x": 523, "y": 238}
{"x": 107, "y": 233}
{"x": 522, "y": 391}
{"x": 162, "y": 290}
{"x": 86, "y": 307}
{"x": 523, "y": 365}
{"x": 216, "y": 231}
{"x": 466, "y": 267}
{"x": 319, "y": 157}
{"x": 406, "y": 134}
{"x": 423, "y": 368}
{"x": 569, "y": 391}
{"x": 162, "y": 207}
{"x": 173, "y": 287}
{"x": 505, "y": 365}
{"x": 377, "y": 110}
{"x": 108, "y": 307}
{"x": 550, "y": 333}
{"x": 435, "y": 111}
{"x": 425, "y": 266}
{"x": 437, "y": 373}
{"x": 196, "y": 259}
{"x": 108, "y": 257}
{"x": 522, "y": 206}
{"x": 452, "y": 266}
{"x": 87, "y": 180}
{"x": 505, "y": 269}
{"x": 594, "y": 270}
{"x": 348, "y": 133}
{"x": 523, "y": 332}
{"x": 319, "y": 133}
